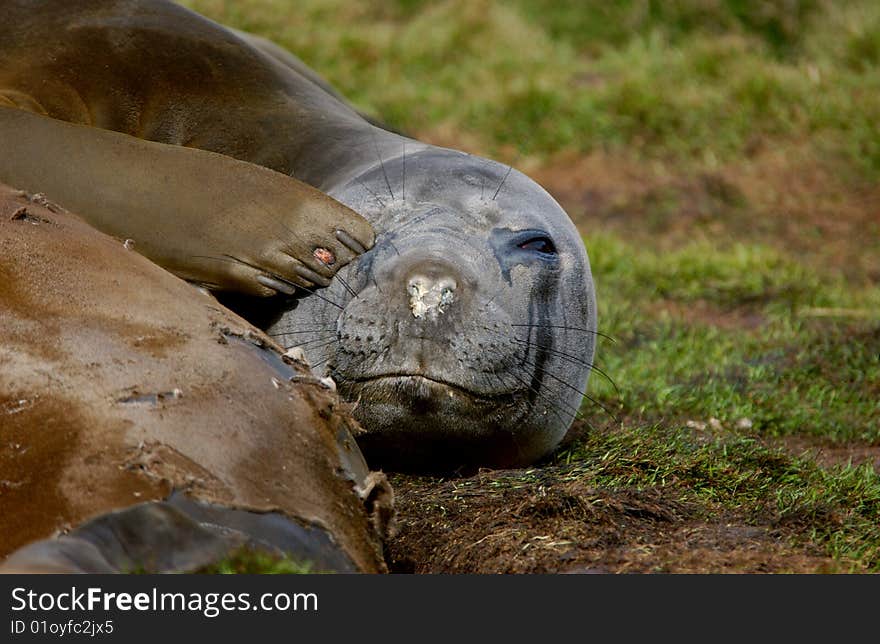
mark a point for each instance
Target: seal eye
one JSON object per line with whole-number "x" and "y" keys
{"x": 539, "y": 245}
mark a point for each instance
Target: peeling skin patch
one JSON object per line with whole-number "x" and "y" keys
{"x": 22, "y": 214}
{"x": 151, "y": 399}
{"x": 272, "y": 358}
{"x": 41, "y": 200}
{"x": 167, "y": 467}
{"x": 16, "y": 406}
{"x": 429, "y": 298}
{"x": 325, "y": 256}
{"x": 158, "y": 342}
{"x": 287, "y": 366}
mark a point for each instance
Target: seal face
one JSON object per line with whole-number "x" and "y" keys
{"x": 466, "y": 335}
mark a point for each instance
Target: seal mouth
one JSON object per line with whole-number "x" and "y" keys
{"x": 413, "y": 422}
{"x": 416, "y": 386}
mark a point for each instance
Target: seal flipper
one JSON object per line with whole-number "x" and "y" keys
{"x": 174, "y": 536}
{"x": 152, "y": 537}
{"x": 204, "y": 216}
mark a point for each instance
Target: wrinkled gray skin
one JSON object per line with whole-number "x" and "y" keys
{"x": 462, "y": 342}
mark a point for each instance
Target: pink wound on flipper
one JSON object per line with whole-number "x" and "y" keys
{"x": 324, "y": 256}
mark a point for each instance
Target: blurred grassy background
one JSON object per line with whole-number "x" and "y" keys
{"x": 721, "y": 158}
{"x": 692, "y": 80}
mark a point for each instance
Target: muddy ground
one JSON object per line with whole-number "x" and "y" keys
{"x": 550, "y": 519}
{"x": 494, "y": 522}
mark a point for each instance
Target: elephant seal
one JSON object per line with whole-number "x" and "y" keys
{"x": 465, "y": 336}
{"x": 129, "y": 435}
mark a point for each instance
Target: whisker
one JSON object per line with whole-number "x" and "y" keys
{"x": 321, "y": 339}
{"x": 382, "y": 165}
{"x": 318, "y": 330}
{"x": 542, "y": 395}
{"x": 570, "y": 358}
{"x": 345, "y": 285}
{"x": 338, "y": 276}
{"x": 315, "y": 347}
{"x": 551, "y": 404}
{"x": 319, "y": 363}
{"x": 572, "y": 387}
{"x": 567, "y": 328}
{"x": 375, "y": 196}
{"x": 509, "y": 170}
{"x": 321, "y": 297}
{"x": 404, "y": 171}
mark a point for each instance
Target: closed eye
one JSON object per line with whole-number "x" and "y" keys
{"x": 539, "y": 245}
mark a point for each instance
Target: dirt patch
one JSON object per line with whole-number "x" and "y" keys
{"x": 549, "y": 520}
{"x": 828, "y": 454}
{"x": 709, "y": 314}
{"x": 786, "y": 195}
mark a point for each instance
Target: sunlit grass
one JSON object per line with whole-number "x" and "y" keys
{"x": 737, "y": 332}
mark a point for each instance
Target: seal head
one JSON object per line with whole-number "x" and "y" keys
{"x": 465, "y": 336}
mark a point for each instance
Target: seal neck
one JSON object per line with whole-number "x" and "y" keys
{"x": 335, "y": 159}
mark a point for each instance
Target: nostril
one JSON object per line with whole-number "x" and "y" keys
{"x": 428, "y": 296}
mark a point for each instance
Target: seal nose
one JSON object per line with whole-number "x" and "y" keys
{"x": 428, "y": 298}
{"x": 430, "y": 289}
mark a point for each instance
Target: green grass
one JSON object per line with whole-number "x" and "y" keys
{"x": 731, "y": 328}
{"x": 729, "y": 333}
{"x": 787, "y": 370}
{"x": 247, "y": 561}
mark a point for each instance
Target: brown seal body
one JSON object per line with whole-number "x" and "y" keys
{"x": 139, "y": 414}
{"x": 158, "y": 125}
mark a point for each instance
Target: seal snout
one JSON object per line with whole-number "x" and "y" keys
{"x": 429, "y": 297}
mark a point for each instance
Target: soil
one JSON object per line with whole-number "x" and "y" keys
{"x": 547, "y": 522}
{"x": 785, "y": 197}
{"x": 549, "y": 519}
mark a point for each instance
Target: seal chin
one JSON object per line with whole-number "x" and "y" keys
{"x": 417, "y": 423}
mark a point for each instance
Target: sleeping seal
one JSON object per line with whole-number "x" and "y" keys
{"x": 465, "y": 336}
